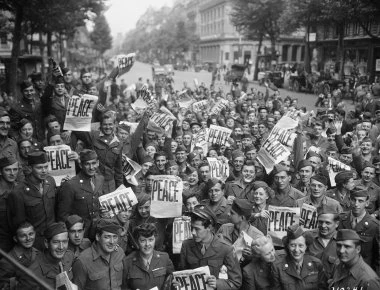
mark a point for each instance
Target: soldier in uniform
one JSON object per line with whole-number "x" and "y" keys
{"x": 80, "y": 194}
{"x": 317, "y": 197}
{"x": 352, "y": 272}
{"x": 34, "y": 198}
{"x": 29, "y": 107}
{"x": 257, "y": 274}
{"x": 324, "y": 239}
{"x": 285, "y": 194}
{"x": 77, "y": 242}
{"x": 23, "y": 252}
{"x": 8, "y": 147}
{"x": 206, "y": 249}
{"x": 146, "y": 268}
{"x": 295, "y": 269}
{"x": 9, "y": 168}
{"x": 367, "y": 227}
{"x": 216, "y": 202}
{"x": 306, "y": 171}
{"x": 52, "y": 261}
{"x": 344, "y": 184}
{"x": 101, "y": 265}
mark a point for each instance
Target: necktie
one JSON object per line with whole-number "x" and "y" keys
{"x": 41, "y": 188}
{"x": 147, "y": 264}
{"x": 203, "y": 249}
{"x": 298, "y": 269}
{"x": 92, "y": 183}
{"x": 60, "y": 267}
{"x": 354, "y": 222}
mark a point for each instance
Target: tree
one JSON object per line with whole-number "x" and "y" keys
{"x": 257, "y": 20}
{"x": 101, "y": 35}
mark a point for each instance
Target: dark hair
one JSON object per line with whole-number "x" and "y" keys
{"x": 160, "y": 153}
{"x": 23, "y": 225}
{"x": 249, "y": 163}
{"x": 205, "y": 222}
{"x": 145, "y": 230}
{"x": 190, "y": 196}
{"x": 308, "y": 241}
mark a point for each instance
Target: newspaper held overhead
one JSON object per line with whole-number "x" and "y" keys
{"x": 309, "y": 217}
{"x": 280, "y": 219}
{"x": 166, "y": 196}
{"x": 79, "y": 113}
{"x": 200, "y": 106}
{"x": 218, "y": 135}
{"x": 195, "y": 279}
{"x": 271, "y": 153}
{"x": 219, "y": 168}
{"x": 130, "y": 169}
{"x": 334, "y": 167}
{"x": 181, "y": 232}
{"x": 184, "y": 100}
{"x": 200, "y": 140}
{"x": 117, "y": 201}
{"x": 59, "y": 164}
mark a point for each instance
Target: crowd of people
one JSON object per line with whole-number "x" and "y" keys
{"x": 53, "y": 229}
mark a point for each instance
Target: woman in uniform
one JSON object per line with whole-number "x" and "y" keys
{"x": 295, "y": 270}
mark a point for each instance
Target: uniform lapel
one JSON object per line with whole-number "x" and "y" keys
{"x": 211, "y": 250}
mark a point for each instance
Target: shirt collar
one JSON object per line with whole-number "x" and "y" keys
{"x": 114, "y": 139}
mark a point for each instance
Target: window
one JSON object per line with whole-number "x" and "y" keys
{"x": 285, "y": 49}
{"x": 326, "y": 31}
{"x": 347, "y": 29}
{"x": 227, "y": 56}
{"x": 294, "y": 52}
{"x": 302, "y": 53}
{"x": 3, "y": 38}
{"x": 356, "y": 29}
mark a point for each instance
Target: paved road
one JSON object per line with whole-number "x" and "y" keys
{"x": 144, "y": 70}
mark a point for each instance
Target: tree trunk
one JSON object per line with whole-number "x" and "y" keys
{"x": 17, "y": 36}
{"x": 257, "y": 58}
{"x": 307, "y": 49}
{"x": 340, "y": 50}
{"x": 49, "y": 44}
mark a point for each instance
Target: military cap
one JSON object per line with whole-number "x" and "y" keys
{"x": 249, "y": 148}
{"x": 279, "y": 168}
{"x": 123, "y": 126}
{"x": 3, "y": 113}
{"x": 237, "y": 153}
{"x": 25, "y": 84}
{"x": 332, "y": 147}
{"x": 59, "y": 80}
{"x": 55, "y": 229}
{"x": 212, "y": 182}
{"x": 367, "y": 116}
{"x": 366, "y": 139}
{"x": 108, "y": 225}
{"x": 37, "y": 157}
{"x": 143, "y": 199}
{"x": 205, "y": 213}
{"x": 343, "y": 176}
{"x": 346, "y": 234}
{"x": 246, "y": 136}
{"x": 319, "y": 178}
{"x": 367, "y": 164}
{"x": 7, "y": 160}
{"x": 194, "y": 123}
{"x": 72, "y": 220}
{"x": 87, "y": 155}
{"x": 376, "y": 159}
{"x": 180, "y": 148}
{"x": 346, "y": 150}
{"x": 242, "y": 207}
{"x": 170, "y": 163}
{"x": 294, "y": 232}
{"x": 65, "y": 70}
{"x": 303, "y": 163}
{"x": 359, "y": 192}
{"x": 313, "y": 154}
{"x": 326, "y": 210}
{"x": 147, "y": 159}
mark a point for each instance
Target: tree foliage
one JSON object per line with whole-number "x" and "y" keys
{"x": 101, "y": 35}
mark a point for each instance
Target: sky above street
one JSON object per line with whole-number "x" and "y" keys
{"x": 123, "y": 14}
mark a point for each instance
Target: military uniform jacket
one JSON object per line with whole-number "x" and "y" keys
{"x": 227, "y": 233}
{"x": 257, "y": 275}
{"x": 218, "y": 253}
{"x": 46, "y": 268}
{"x": 221, "y": 212}
{"x": 9, "y": 148}
{"x": 137, "y": 276}
{"x": 368, "y": 230}
{"x": 327, "y": 254}
{"x": 76, "y": 196}
{"x": 288, "y": 199}
{"x": 286, "y": 277}
{"x": 360, "y": 277}
{"x": 26, "y": 203}
{"x": 76, "y": 250}
{"x": 92, "y": 271}
{"x": 344, "y": 203}
{"x": 327, "y": 203}
{"x": 6, "y": 231}
{"x": 235, "y": 188}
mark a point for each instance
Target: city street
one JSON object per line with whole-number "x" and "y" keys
{"x": 144, "y": 70}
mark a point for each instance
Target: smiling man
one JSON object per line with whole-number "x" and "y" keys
{"x": 352, "y": 272}
{"x": 241, "y": 188}
{"x": 77, "y": 242}
{"x": 80, "y": 194}
{"x": 101, "y": 265}
{"x": 8, "y": 147}
{"x": 305, "y": 171}
{"x": 34, "y": 198}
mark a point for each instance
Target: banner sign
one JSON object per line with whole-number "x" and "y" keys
{"x": 79, "y": 113}
{"x": 130, "y": 169}
{"x": 117, "y": 201}
{"x": 271, "y": 153}
{"x": 284, "y": 136}
{"x": 334, "y": 167}
{"x": 241, "y": 243}
{"x": 125, "y": 61}
{"x": 163, "y": 118}
{"x": 59, "y": 164}
{"x": 200, "y": 140}
{"x": 218, "y": 135}
{"x": 181, "y": 232}
{"x": 218, "y": 107}
{"x": 280, "y": 219}
{"x": 195, "y": 279}
{"x": 166, "y": 196}
{"x": 309, "y": 217}
{"x": 200, "y": 106}
{"x": 184, "y": 100}
{"x": 219, "y": 168}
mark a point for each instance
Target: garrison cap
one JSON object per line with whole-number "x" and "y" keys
{"x": 237, "y": 153}
{"x": 332, "y": 147}
{"x": 181, "y": 148}
{"x": 242, "y": 207}
{"x": 326, "y": 210}
{"x": 343, "y": 176}
{"x": 72, "y": 220}
{"x": 367, "y": 164}
{"x": 303, "y": 163}
{"x": 279, "y": 168}
{"x": 7, "y": 160}
{"x": 37, "y": 157}
{"x": 55, "y": 229}
{"x": 346, "y": 234}
{"x": 319, "y": 178}
{"x": 108, "y": 225}
{"x": 346, "y": 150}
{"x": 204, "y": 213}
{"x": 294, "y": 232}
{"x": 359, "y": 192}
